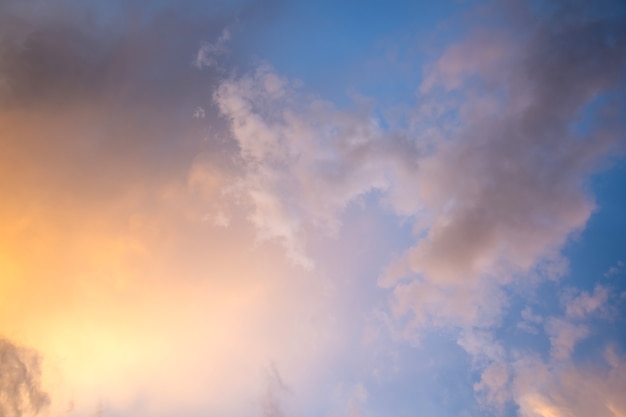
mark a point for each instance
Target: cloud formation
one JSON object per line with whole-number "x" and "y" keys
{"x": 20, "y": 389}
{"x": 304, "y": 159}
{"x": 517, "y": 188}
{"x": 550, "y": 390}
{"x": 108, "y": 265}
{"x": 491, "y": 168}
{"x": 146, "y": 170}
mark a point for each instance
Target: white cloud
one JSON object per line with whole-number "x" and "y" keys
{"x": 304, "y": 159}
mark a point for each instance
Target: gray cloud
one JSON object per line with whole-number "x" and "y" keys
{"x": 20, "y": 390}
{"x": 61, "y": 50}
{"x": 99, "y": 98}
{"x": 505, "y": 188}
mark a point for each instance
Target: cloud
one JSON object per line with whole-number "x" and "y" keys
{"x": 585, "y": 304}
{"x": 209, "y": 52}
{"x": 493, "y": 385}
{"x": 549, "y": 390}
{"x": 106, "y": 265}
{"x": 20, "y": 388}
{"x": 565, "y": 332}
{"x": 491, "y": 172}
{"x": 89, "y": 90}
{"x": 304, "y": 159}
{"x": 62, "y": 51}
{"x": 530, "y": 321}
{"x": 146, "y": 307}
{"x": 545, "y": 388}
{"x": 563, "y": 337}
{"x": 116, "y": 168}
{"x": 272, "y": 403}
{"x": 504, "y": 189}
{"x": 615, "y": 270}
{"x": 516, "y": 192}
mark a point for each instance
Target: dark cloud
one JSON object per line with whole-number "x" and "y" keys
{"x": 59, "y": 57}
{"x": 100, "y": 97}
{"x": 20, "y": 389}
{"x": 506, "y": 188}
{"x": 573, "y": 57}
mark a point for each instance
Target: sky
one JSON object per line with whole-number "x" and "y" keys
{"x": 292, "y": 208}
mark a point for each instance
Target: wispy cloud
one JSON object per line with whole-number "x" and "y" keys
{"x": 20, "y": 386}
{"x": 305, "y": 160}
{"x": 209, "y": 53}
{"x": 584, "y": 304}
{"x": 549, "y": 390}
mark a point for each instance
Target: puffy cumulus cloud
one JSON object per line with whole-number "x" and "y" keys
{"x": 551, "y": 390}
{"x": 503, "y": 189}
{"x": 20, "y": 372}
{"x": 304, "y": 159}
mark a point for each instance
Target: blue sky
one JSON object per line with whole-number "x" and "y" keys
{"x": 319, "y": 209}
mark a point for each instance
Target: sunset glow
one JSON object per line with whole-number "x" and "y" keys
{"x": 312, "y": 208}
